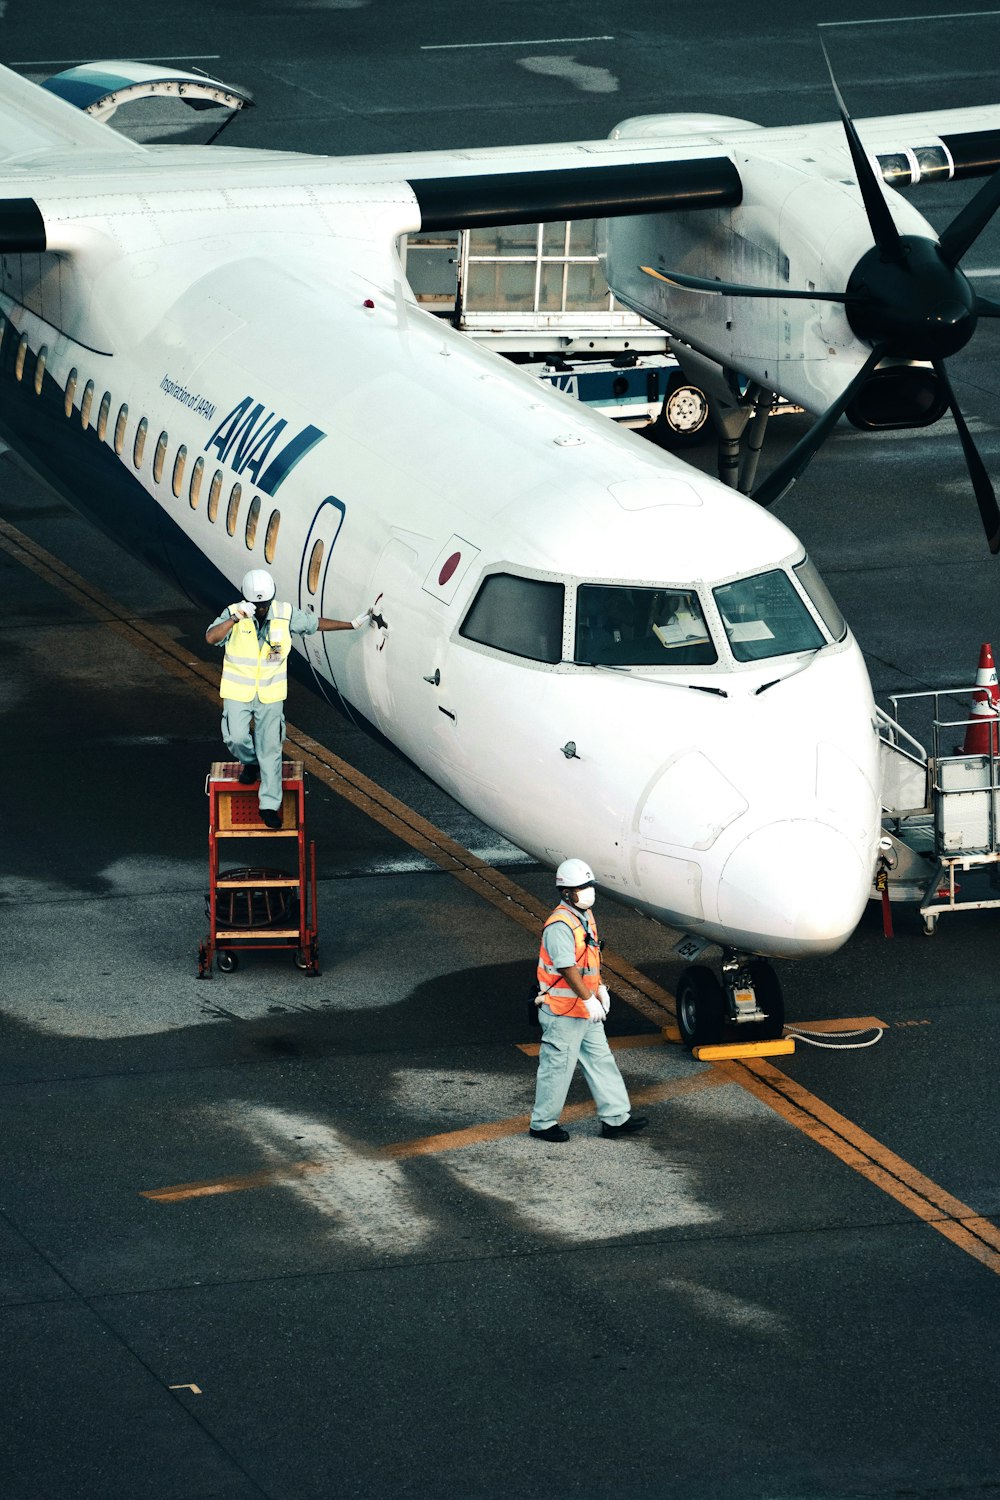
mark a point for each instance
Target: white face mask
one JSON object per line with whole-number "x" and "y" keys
{"x": 585, "y": 898}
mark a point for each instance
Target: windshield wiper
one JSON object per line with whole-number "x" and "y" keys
{"x": 774, "y": 680}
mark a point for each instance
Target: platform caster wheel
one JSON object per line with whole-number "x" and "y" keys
{"x": 767, "y": 988}
{"x": 930, "y": 926}
{"x": 227, "y": 962}
{"x": 701, "y": 1007}
{"x": 307, "y": 959}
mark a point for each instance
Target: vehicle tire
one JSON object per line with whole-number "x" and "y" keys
{"x": 701, "y": 1007}
{"x": 767, "y": 988}
{"x": 683, "y": 421}
{"x": 227, "y": 961}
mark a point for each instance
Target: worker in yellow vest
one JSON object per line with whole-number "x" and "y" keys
{"x": 572, "y": 1004}
{"x": 257, "y": 632}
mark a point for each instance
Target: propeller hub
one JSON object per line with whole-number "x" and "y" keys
{"x": 913, "y": 304}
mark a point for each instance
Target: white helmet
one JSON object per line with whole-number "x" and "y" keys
{"x": 574, "y": 873}
{"x": 258, "y": 586}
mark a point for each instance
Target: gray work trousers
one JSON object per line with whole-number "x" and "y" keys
{"x": 263, "y": 744}
{"x": 567, "y": 1040}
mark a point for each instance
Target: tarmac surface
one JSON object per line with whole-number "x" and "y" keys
{"x": 288, "y": 1237}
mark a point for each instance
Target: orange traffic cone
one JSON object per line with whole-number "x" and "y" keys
{"x": 985, "y": 708}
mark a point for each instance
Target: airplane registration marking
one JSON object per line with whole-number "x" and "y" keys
{"x": 940, "y": 1210}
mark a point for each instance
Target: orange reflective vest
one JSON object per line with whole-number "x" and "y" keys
{"x": 559, "y": 997}
{"x": 257, "y": 668}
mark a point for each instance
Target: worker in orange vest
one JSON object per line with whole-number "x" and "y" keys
{"x": 572, "y": 1004}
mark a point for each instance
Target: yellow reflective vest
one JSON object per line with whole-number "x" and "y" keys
{"x": 560, "y": 999}
{"x": 256, "y": 668}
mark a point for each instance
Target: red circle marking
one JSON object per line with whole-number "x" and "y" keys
{"x": 449, "y": 568}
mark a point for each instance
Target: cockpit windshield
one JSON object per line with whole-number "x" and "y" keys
{"x": 640, "y": 627}
{"x": 765, "y": 616}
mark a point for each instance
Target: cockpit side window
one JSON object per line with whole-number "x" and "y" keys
{"x": 641, "y": 627}
{"x": 523, "y": 616}
{"x": 821, "y": 599}
{"x": 764, "y": 616}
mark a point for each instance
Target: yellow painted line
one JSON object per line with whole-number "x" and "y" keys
{"x": 972, "y": 1233}
{"x": 731, "y": 1051}
{"x": 239, "y": 1184}
{"x": 428, "y": 1145}
{"x": 882, "y": 1167}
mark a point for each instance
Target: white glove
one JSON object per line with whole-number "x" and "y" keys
{"x": 364, "y": 619}
{"x": 242, "y": 610}
{"x": 595, "y": 1010}
{"x": 604, "y": 997}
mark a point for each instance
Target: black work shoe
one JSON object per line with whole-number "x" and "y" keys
{"x": 249, "y": 774}
{"x": 631, "y": 1126}
{"x": 270, "y": 817}
{"x": 554, "y": 1133}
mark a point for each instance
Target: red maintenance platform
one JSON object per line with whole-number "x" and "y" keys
{"x": 256, "y": 906}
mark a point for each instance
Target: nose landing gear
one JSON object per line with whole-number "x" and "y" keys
{"x": 748, "y": 998}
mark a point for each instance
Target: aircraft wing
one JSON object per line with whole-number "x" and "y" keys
{"x": 35, "y": 123}
{"x": 656, "y": 165}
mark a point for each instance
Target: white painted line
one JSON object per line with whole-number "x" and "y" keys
{"x": 985, "y": 271}
{"x": 962, "y": 15}
{"x": 73, "y": 62}
{"x": 545, "y": 41}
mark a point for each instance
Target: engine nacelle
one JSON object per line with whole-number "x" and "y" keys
{"x": 905, "y": 394}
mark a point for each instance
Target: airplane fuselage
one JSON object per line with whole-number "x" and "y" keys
{"x": 346, "y": 439}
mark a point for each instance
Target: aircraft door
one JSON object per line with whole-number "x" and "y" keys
{"x": 314, "y": 572}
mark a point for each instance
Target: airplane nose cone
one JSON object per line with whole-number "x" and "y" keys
{"x": 801, "y": 885}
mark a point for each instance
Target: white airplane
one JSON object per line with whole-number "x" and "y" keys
{"x": 595, "y": 648}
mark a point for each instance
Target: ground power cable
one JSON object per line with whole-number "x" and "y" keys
{"x": 837, "y": 1041}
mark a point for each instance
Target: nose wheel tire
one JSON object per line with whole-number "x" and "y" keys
{"x": 767, "y": 988}
{"x": 701, "y": 1007}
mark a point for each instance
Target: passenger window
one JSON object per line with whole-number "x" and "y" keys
{"x": 139, "y": 446}
{"x": 315, "y": 562}
{"x": 234, "y": 508}
{"x": 102, "y": 416}
{"x": 43, "y": 355}
{"x": 159, "y": 455}
{"x": 70, "y": 393}
{"x": 179, "y": 462}
{"x": 194, "y": 490}
{"x": 271, "y": 536}
{"x": 215, "y": 490}
{"x": 641, "y": 627}
{"x": 523, "y": 616}
{"x": 252, "y": 517}
{"x": 86, "y": 404}
{"x": 765, "y": 617}
{"x": 22, "y": 349}
{"x": 120, "y": 426}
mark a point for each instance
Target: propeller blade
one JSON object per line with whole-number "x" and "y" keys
{"x": 985, "y": 497}
{"x": 734, "y": 289}
{"x": 987, "y": 308}
{"x": 794, "y": 464}
{"x": 883, "y": 225}
{"x": 968, "y": 225}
